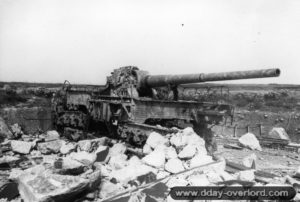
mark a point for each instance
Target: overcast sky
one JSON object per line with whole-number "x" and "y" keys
{"x": 83, "y": 41}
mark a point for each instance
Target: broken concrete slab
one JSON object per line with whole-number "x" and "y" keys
{"x": 51, "y": 147}
{"x": 246, "y": 175}
{"x": 156, "y": 158}
{"x": 102, "y": 153}
{"x": 85, "y": 145}
{"x": 118, "y": 148}
{"x": 108, "y": 189}
{"x": 84, "y": 157}
{"x": 174, "y": 166}
{"x": 176, "y": 181}
{"x": 68, "y": 166}
{"x": 170, "y": 153}
{"x": 52, "y": 135}
{"x": 154, "y": 139}
{"x": 147, "y": 149}
{"x": 50, "y": 187}
{"x": 118, "y": 162}
{"x": 198, "y": 180}
{"x": 250, "y": 141}
{"x": 279, "y": 133}
{"x": 200, "y": 160}
{"x": 67, "y": 147}
{"x": 250, "y": 161}
{"x": 21, "y": 147}
{"x": 187, "y": 152}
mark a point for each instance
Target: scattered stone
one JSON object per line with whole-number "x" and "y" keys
{"x": 134, "y": 160}
{"x": 118, "y": 162}
{"x": 8, "y": 159}
{"x": 85, "y": 145}
{"x": 178, "y": 140}
{"x": 174, "y": 166}
{"x": 188, "y": 152}
{"x": 176, "y": 181}
{"x": 213, "y": 177}
{"x": 250, "y": 141}
{"x": 246, "y": 175}
{"x": 69, "y": 166}
{"x": 200, "y": 160}
{"x": 108, "y": 189}
{"x": 250, "y": 161}
{"x": 162, "y": 174}
{"x": 131, "y": 172}
{"x": 155, "y": 139}
{"x": 52, "y": 135}
{"x": 84, "y": 157}
{"x": 102, "y": 153}
{"x": 147, "y": 149}
{"x": 279, "y": 133}
{"x": 170, "y": 153}
{"x": 116, "y": 149}
{"x": 198, "y": 180}
{"x": 51, "y": 147}
{"x": 67, "y": 148}
{"x": 50, "y": 187}
{"x": 21, "y": 146}
{"x": 155, "y": 158}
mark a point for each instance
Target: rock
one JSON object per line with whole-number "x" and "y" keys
{"x": 170, "y": 153}
{"x": 155, "y": 159}
{"x": 134, "y": 160}
{"x": 8, "y": 159}
{"x": 52, "y": 135}
{"x": 67, "y": 148}
{"x": 69, "y": 166}
{"x": 201, "y": 150}
{"x": 250, "y": 161}
{"x": 198, "y": 180}
{"x": 94, "y": 177}
{"x": 246, "y": 175}
{"x": 85, "y": 145}
{"x": 102, "y": 153}
{"x": 108, "y": 189}
{"x": 118, "y": 162}
{"x": 5, "y": 133}
{"x": 147, "y": 149}
{"x": 279, "y": 133}
{"x": 131, "y": 172}
{"x": 51, "y": 147}
{"x": 250, "y": 141}
{"x": 213, "y": 177}
{"x": 176, "y": 181}
{"x": 178, "y": 140}
{"x": 21, "y": 146}
{"x": 154, "y": 139}
{"x": 84, "y": 157}
{"x": 116, "y": 149}
{"x": 17, "y": 172}
{"x": 200, "y": 160}
{"x": 226, "y": 176}
{"x": 188, "y": 152}
{"x": 162, "y": 174}
{"x": 174, "y": 166}
{"x": 50, "y": 187}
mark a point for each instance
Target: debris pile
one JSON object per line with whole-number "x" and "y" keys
{"x": 48, "y": 167}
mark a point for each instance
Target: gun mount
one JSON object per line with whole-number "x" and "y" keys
{"x": 128, "y": 107}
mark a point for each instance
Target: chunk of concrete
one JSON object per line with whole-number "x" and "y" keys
{"x": 198, "y": 180}
{"x": 5, "y": 133}
{"x": 213, "y": 177}
{"x": 279, "y": 133}
{"x": 162, "y": 174}
{"x": 179, "y": 140}
{"x": 147, "y": 149}
{"x": 21, "y": 146}
{"x": 176, "y": 181}
{"x": 250, "y": 141}
{"x": 170, "y": 153}
{"x": 85, "y": 145}
{"x": 246, "y": 175}
{"x": 84, "y": 157}
{"x": 108, "y": 189}
{"x": 51, "y": 147}
{"x": 69, "y": 166}
{"x": 154, "y": 139}
{"x": 116, "y": 149}
{"x": 52, "y": 135}
{"x": 155, "y": 159}
{"x": 50, "y": 187}
{"x": 67, "y": 148}
{"x": 119, "y": 161}
{"x": 188, "y": 152}
{"x": 250, "y": 161}
{"x": 174, "y": 166}
{"x": 200, "y": 160}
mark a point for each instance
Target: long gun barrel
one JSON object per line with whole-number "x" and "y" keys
{"x": 164, "y": 80}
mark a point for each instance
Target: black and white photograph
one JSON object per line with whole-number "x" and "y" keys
{"x": 148, "y": 100}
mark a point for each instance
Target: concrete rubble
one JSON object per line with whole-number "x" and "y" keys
{"x": 50, "y": 168}
{"x": 250, "y": 141}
